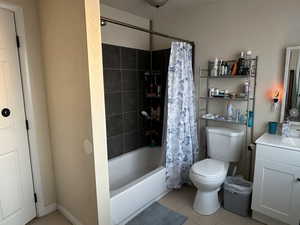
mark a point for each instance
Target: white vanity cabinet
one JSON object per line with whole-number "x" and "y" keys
{"x": 276, "y": 188}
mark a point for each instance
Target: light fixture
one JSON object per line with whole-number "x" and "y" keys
{"x": 274, "y": 95}
{"x": 157, "y": 3}
{"x": 275, "y": 100}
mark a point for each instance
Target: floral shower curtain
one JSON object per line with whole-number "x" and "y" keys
{"x": 180, "y": 137}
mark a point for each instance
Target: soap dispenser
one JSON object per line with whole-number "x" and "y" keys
{"x": 230, "y": 111}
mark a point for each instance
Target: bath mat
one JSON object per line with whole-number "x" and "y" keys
{"x": 157, "y": 214}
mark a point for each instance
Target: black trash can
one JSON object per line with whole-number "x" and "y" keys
{"x": 237, "y": 195}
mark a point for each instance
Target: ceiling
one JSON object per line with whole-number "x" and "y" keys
{"x": 142, "y": 8}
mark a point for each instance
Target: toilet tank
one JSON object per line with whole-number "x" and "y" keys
{"x": 224, "y": 144}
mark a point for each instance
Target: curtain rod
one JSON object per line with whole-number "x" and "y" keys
{"x": 144, "y": 30}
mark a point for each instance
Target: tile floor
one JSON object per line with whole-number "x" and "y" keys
{"x": 53, "y": 219}
{"x": 180, "y": 201}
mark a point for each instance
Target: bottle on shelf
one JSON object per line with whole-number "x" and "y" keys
{"x": 211, "y": 92}
{"x": 246, "y": 88}
{"x": 220, "y": 67}
{"x": 227, "y": 69}
{"x": 250, "y": 122}
{"x": 158, "y": 91}
{"x": 223, "y": 69}
{"x": 249, "y": 55}
{"x": 234, "y": 69}
{"x": 241, "y": 64}
{"x": 214, "y": 70}
{"x": 248, "y": 63}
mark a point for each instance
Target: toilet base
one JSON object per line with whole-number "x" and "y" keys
{"x": 207, "y": 203}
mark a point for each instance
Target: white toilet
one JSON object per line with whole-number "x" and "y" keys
{"x": 224, "y": 145}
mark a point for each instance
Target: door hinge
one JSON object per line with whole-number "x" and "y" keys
{"x": 18, "y": 41}
{"x": 35, "y": 198}
{"x": 27, "y": 124}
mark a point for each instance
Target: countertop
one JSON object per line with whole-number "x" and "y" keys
{"x": 279, "y": 141}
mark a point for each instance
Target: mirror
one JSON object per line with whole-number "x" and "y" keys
{"x": 291, "y": 97}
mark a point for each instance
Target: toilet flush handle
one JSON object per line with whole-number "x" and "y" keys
{"x": 298, "y": 179}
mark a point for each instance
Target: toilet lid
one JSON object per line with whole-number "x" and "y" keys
{"x": 209, "y": 168}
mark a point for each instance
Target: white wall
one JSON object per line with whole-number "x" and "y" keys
{"x": 224, "y": 28}
{"x": 66, "y": 68}
{"x": 121, "y": 36}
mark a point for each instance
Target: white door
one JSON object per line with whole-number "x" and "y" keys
{"x": 275, "y": 190}
{"x": 17, "y": 206}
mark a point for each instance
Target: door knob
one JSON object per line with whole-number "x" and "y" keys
{"x": 5, "y": 112}
{"x": 298, "y": 179}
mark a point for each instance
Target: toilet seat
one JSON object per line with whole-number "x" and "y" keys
{"x": 210, "y": 169}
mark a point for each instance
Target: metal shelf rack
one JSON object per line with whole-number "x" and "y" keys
{"x": 224, "y": 121}
{"x": 226, "y": 77}
{"x": 227, "y": 99}
{"x": 252, "y": 79}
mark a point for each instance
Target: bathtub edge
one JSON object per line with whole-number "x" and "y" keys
{"x": 130, "y": 217}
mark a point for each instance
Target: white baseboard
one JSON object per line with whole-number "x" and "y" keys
{"x": 45, "y": 210}
{"x": 68, "y": 215}
{"x": 265, "y": 219}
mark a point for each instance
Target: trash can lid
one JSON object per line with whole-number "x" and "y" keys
{"x": 238, "y": 184}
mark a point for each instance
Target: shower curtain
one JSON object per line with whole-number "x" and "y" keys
{"x": 180, "y": 135}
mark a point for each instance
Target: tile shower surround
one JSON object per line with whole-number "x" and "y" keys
{"x": 123, "y": 82}
{"x": 124, "y": 70}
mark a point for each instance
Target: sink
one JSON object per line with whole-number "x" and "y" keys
{"x": 295, "y": 142}
{"x": 292, "y": 143}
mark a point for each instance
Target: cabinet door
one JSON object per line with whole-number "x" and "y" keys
{"x": 276, "y": 191}
{"x": 296, "y": 200}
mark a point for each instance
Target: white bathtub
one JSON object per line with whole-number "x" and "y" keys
{"x": 136, "y": 180}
